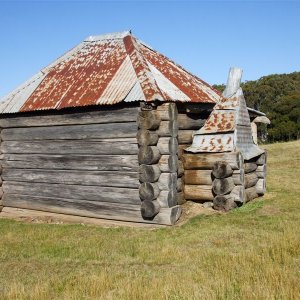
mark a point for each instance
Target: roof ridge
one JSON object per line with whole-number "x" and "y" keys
{"x": 108, "y": 36}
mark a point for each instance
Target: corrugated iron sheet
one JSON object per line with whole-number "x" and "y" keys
{"x": 108, "y": 69}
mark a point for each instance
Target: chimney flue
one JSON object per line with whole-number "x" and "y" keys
{"x": 233, "y": 81}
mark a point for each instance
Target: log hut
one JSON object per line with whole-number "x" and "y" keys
{"x": 115, "y": 130}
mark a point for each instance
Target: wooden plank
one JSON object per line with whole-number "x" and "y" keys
{"x": 71, "y": 162}
{"x": 99, "y": 178}
{"x": 125, "y": 212}
{"x": 71, "y": 132}
{"x": 101, "y": 147}
{"x": 206, "y": 160}
{"x": 198, "y": 192}
{"x": 199, "y": 177}
{"x": 85, "y": 192}
{"x": 101, "y": 116}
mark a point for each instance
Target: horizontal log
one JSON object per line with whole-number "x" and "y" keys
{"x": 149, "y": 173}
{"x": 180, "y": 171}
{"x": 260, "y": 187}
{"x": 238, "y": 177}
{"x": 1, "y": 192}
{"x": 147, "y": 119}
{"x": 206, "y": 160}
{"x": 101, "y": 116}
{"x": 198, "y": 192}
{"x": 251, "y": 193}
{"x": 221, "y": 169}
{"x": 71, "y": 162}
{"x": 168, "y": 163}
{"x": 168, "y": 128}
{"x": 148, "y": 155}
{"x": 76, "y": 192}
{"x": 238, "y": 195}
{"x": 99, "y": 178}
{"x": 167, "y": 198}
{"x": 167, "y": 181}
{"x": 71, "y": 132}
{"x": 149, "y": 191}
{"x": 262, "y": 159}
{"x": 181, "y": 149}
{"x": 224, "y": 203}
{"x": 223, "y": 186}
{"x": 167, "y": 145}
{"x": 167, "y": 111}
{"x": 146, "y": 137}
{"x": 250, "y": 179}
{"x": 250, "y": 167}
{"x": 200, "y": 177}
{"x": 126, "y": 212}
{"x": 185, "y": 137}
{"x": 180, "y": 198}
{"x": 179, "y": 184}
{"x": 125, "y": 146}
{"x": 149, "y": 209}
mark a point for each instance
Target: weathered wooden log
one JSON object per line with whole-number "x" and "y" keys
{"x": 149, "y": 209}
{"x": 206, "y": 160}
{"x": 251, "y": 193}
{"x": 224, "y": 203}
{"x": 146, "y": 137}
{"x": 167, "y": 198}
{"x": 179, "y": 184}
{"x": 168, "y": 163}
{"x": 148, "y": 191}
{"x": 233, "y": 81}
{"x": 168, "y": 216}
{"x": 99, "y": 178}
{"x": 71, "y": 132}
{"x": 185, "y": 137}
{"x": 1, "y": 192}
{"x": 116, "y": 146}
{"x": 167, "y": 145}
{"x": 262, "y": 159}
{"x": 180, "y": 170}
{"x": 71, "y": 162}
{"x": 167, "y": 181}
{"x": 260, "y": 187}
{"x": 238, "y": 177}
{"x": 250, "y": 179}
{"x": 168, "y": 128}
{"x": 167, "y": 111}
{"x": 238, "y": 195}
{"x": 149, "y": 173}
{"x": 223, "y": 186}
{"x": 107, "y": 114}
{"x": 221, "y": 169}
{"x": 181, "y": 149}
{"x": 147, "y": 119}
{"x": 200, "y": 177}
{"x": 180, "y": 198}
{"x": 261, "y": 171}
{"x": 198, "y": 192}
{"x": 74, "y": 191}
{"x": 0, "y": 181}
{"x": 148, "y": 155}
{"x": 250, "y": 167}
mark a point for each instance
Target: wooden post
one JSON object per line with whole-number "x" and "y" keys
{"x": 233, "y": 82}
{"x": 1, "y": 189}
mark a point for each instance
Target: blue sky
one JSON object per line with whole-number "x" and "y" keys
{"x": 205, "y": 37}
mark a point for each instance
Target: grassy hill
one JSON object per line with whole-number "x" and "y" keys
{"x": 250, "y": 253}
{"x": 279, "y": 97}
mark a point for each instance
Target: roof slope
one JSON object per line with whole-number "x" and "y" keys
{"x": 108, "y": 69}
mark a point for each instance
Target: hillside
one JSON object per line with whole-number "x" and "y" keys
{"x": 279, "y": 97}
{"x": 249, "y": 253}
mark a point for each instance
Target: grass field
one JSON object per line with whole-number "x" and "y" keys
{"x": 250, "y": 253}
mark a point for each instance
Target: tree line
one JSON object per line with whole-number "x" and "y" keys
{"x": 278, "y": 96}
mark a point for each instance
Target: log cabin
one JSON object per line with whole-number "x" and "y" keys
{"x": 115, "y": 130}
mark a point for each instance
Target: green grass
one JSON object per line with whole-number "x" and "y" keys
{"x": 250, "y": 253}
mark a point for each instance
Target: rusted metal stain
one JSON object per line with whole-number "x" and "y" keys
{"x": 219, "y": 121}
{"x": 106, "y": 70}
{"x": 196, "y": 89}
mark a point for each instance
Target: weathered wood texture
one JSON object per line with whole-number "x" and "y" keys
{"x": 200, "y": 177}
{"x": 149, "y": 208}
{"x": 76, "y": 192}
{"x": 260, "y": 186}
{"x": 71, "y": 162}
{"x": 250, "y": 167}
{"x": 206, "y": 160}
{"x": 224, "y": 203}
{"x": 250, "y": 179}
{"x": 251, "y": 193}
{"x": 223, "y": 186}
{"x": 103, "y": 116}
{"x": 221, "y": 169}
{"x": 198, "y": 192}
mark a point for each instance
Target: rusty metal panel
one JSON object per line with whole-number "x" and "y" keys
{"x": 219, "y": 121}
{"x": 212, "y": 143}
{"x": 196, "y": 89}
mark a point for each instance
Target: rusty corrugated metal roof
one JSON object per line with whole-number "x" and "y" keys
{"x": 108, "y": 69}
